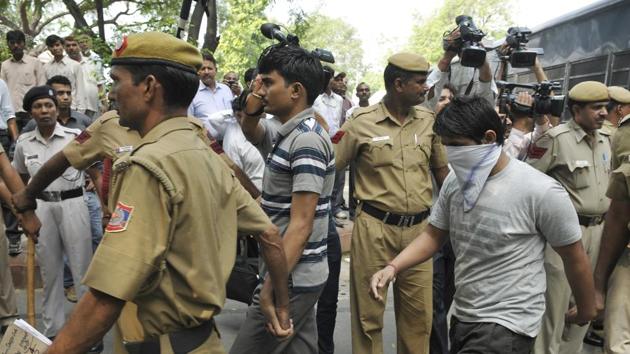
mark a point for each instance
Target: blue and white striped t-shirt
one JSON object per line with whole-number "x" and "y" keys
{"x": 299, "y": 158}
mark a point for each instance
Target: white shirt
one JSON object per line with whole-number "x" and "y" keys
{"x": 93, "y": 74}
{"x": 243, "y": 153}
{"x": 73, "y": 71}
{"x": 6, "y": 106}
{"x": 32, "y": 151}
{"x": 330, "y": 107}
{"x": 437, "y": 79}
{"x": 517, "y": 143}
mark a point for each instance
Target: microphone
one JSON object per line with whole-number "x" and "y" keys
{"x": 272, "y": 31}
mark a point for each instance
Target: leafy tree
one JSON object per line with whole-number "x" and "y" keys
{"x": 337, "y": 36}
{"x": 241, "y": 41}
{"x": 491, "y": 16}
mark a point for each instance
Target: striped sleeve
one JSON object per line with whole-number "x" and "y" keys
{"x": 309, "y": 159}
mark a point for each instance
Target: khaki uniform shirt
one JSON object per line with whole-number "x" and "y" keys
{"x": 21, "y": 76}
{"x": 608, "y": 128}
{"x": 190, "y": 289}
{"x": 619, "y": 187}
{"x": 583, "y": 168}
{"x": 393, "y": 160}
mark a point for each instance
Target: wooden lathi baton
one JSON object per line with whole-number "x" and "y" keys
{"x": 30, "y": 282}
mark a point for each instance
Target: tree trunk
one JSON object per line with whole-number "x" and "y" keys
{"x": 101, "y": 19}
{"x": 194, "y": 25}
{"x": 210, "y": 39}
{"x": 77, "y": 14}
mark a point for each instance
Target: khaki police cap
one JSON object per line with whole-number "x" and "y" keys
{"x": 589, "y": 91}
{"x": 156, "y": 48}
{"x": 619, "y": 94}
{"x": 409, "y": 62}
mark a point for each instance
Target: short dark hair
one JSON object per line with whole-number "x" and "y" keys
{"x": 52, "y": 39}
{"x": 294, "y": 64}
{"x": 70, "y": 38}
{"x": 393, "y": 72}
{"x": 180, "y": 86}
{"x": 16, "y": 36}
{"x": 469, "y": 117}
{"x": 612, "y": 105}
{"x": 362, "y": 83}
{"x": 450, "y": 87}
{"x": 209, "y": 57}
{"x": 59, "y": 79}
{"x": 250, "y": 74}
{"x": 571, "y": 103}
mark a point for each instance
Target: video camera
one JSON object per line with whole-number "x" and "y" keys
{"x": 273, "y": 31}
{"x": 520, "y": 56}
{"x": 471, "y": 54}
{"x": 544, "y": 102}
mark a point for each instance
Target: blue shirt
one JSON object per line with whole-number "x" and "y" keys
{"x": 208, "y": 101}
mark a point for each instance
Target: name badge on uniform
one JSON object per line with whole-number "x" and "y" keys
{"x": 380, "y": 138}
{"x": 581, "y": 163}
{"x": 30, "y": 157}
{"x": 121, "y": 149}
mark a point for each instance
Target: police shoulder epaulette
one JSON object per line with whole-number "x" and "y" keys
{"x": 423, "y": 109}
{"x": 557, "y": 130}
{"x": 363, "y": 111}
{"x": 109, "y": 115}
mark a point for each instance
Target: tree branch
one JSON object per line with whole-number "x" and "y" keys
{"x": 49, "y": 20}
{"x": 24, "y": 17}
{"x": 7, "y": 22}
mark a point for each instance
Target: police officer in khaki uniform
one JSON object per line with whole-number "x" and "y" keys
{"x": 151, "y": 252}
{"x": 576, "y": 154}
{"x": 618, "y": 108}
{"x": 395, "y": 150}
{"x": 612, "y": 273}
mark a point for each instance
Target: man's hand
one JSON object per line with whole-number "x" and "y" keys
{"x": 234, "y": 87}
{"x": 22, "y": 202}
{"x": 525, "y": 99}
{"x": 581, "y": 318}
{"x": 380, "y": 280}
{"x": 600, "y": 303}
{"x": 30, "y": 224}
{"x": 278, "y": 320}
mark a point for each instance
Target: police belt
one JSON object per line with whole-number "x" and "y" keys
{"x": 591, "y": 220}
{"x": 395, "y": 219}
{"x": 59, "y": 196}
{"x": 182, "y": 341}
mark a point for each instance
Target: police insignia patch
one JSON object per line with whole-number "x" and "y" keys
{"x": 536, "y": 152}
{"x": 120, "y": 218}
{"x": 83, "y": 137}
{"x": 337, "y": 137}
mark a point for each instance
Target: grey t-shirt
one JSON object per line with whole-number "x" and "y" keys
{"x": 499, "y": 244}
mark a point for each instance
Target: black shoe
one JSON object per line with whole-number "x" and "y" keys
{"x": 593, "y": 339}
{"x": 97, "y": 348}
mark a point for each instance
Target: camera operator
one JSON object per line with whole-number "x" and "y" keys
{"x": 484, "y": 87}
{"x": 231, "y": 80}
{"x": 521, "y": 134}
{"x": 576, "y": 154}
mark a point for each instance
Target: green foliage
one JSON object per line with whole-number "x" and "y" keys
{"x": 337, "y": 36}
{"x": 241, "y": 41}
{"x": 491, "y": 16}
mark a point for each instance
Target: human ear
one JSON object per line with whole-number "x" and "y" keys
{"x": 489, "y": 137}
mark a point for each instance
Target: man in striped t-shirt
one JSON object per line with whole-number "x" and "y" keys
{"x": 297, "y": 184}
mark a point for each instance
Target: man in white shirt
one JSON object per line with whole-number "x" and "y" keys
{"x": 92, "y": 73}
{"x": 64, "y": 66}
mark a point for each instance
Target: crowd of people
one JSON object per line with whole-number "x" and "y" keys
{"x": 513, "y": 222}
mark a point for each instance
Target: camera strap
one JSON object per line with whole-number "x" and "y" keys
{"x": 471, "y": 83}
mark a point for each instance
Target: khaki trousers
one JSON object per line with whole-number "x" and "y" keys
{"x": 374, "y": 244}
{"x": 617, "y": 316}
{"x": 8, "y": 307}
{"x": 555, "y": 337}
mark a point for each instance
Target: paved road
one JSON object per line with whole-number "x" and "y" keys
{"x": 234, "y": 313}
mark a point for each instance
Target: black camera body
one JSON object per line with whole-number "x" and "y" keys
{"x": 521, "y": 56}
{"x": 471, "y": 54}
{"x": 272, "y": 31}
{"x": 544, "y": 102}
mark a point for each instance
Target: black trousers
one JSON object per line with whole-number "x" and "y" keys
{"x": 443, "y": 292}
{"x": 327, "y": 304}
{"x": 487, "y": 338}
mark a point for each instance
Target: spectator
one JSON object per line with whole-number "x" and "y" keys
{"x": 65, "y": 218}
{"x": 211, "y": 96}
{"x": 231, "y": 80}
{"x": 63, "y": 65}
{"x": 499, "y": 247}
{"x": 21, "y": 72}
{"x": 92, "y": 74}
